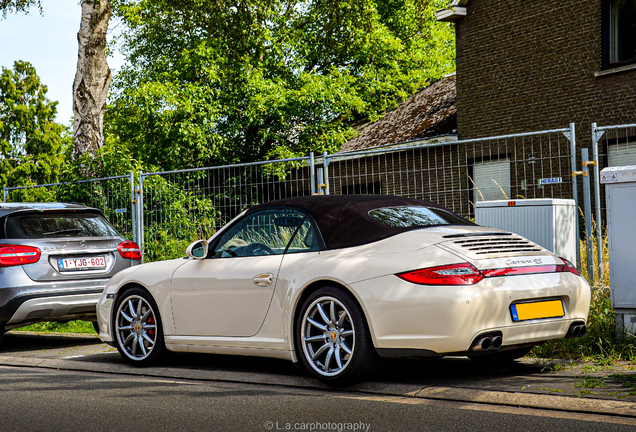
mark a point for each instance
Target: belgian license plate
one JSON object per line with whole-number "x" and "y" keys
{"x": 82, "y": 263}
{"x": 537, "y": 310}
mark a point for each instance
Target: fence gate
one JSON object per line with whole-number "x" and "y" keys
{"x": 178, "y": 207}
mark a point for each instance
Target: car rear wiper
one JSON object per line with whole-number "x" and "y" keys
{"x": 64, "y": 231}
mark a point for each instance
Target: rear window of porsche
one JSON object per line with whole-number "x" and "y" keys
{"x": 62, "y": 224}
{"x": 413, "y": 217}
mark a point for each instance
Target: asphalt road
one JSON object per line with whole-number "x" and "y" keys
{"x": 53, "y": 382}
{"x": 51, "y": 400}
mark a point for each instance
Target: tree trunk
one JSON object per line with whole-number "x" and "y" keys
{"x": 92, "y": 79}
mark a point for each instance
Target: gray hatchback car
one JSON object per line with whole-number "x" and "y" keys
{"x": 55, "y": 260}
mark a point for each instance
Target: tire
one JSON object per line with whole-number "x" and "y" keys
{"x": 333, "y": 340}
{"x": 501, "y": 358}
{"x": 96, "y": 326}
{"x": 137, "y": 318}
{"x": 1, "y": 333}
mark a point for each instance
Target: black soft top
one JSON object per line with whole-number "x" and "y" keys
{"x": 344, "y": 220}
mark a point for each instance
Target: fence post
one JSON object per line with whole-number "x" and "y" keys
{"x": 571, "y": 135}
{"x": 587, "y": 203}
{"x": 312, "y": 173}
{"x": 325, "y": 163}
{"x": 596, "y": 136}
{"x": 133, "y": 207}
{"x": 5, "y": 193}
{"x": 319, "y": 176}
{"x": 140, "y": 213}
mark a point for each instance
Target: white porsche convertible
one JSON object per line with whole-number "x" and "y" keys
{"x": 335, "y": 282}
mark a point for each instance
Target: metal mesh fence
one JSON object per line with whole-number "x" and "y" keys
{"x": 458, "y": 174}
{"x": 616, "y": 147}
{"x": 176, "y": 207}
{"x": 110, "y": 195}
{"x": 182, "y": 206}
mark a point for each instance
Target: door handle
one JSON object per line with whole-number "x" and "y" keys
{"x": 263, "y": 280}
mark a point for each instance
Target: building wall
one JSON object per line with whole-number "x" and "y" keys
{"x": 530, "y": 65}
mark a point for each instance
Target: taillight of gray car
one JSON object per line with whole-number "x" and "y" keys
{"x": 55, "y": 260}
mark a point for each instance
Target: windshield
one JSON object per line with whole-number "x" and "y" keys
{"x": 54, "y": 224}
{"x": 407, "y": 217}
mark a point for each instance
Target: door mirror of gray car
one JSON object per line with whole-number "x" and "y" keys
{"x": 198, "y": 249}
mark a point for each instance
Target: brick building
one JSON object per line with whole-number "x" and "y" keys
{"x": 524, "y": 66}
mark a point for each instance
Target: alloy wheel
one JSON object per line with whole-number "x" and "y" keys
{"x": 136, "y": 327}
{"x": 328, "y": 336}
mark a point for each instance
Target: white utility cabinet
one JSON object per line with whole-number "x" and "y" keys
{"x": 620, "y": 195}
{"x": 547, "y": 222}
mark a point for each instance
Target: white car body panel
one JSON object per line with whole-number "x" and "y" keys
{"x": 400, "y": 315}
{"x": 213, "y": 297}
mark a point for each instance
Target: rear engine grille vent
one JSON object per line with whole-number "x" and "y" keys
{"x": 494, "y": 245}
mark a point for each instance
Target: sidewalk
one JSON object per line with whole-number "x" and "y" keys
{"x": 532, "y": 383}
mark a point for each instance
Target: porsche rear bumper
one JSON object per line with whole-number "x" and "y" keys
{"x": 441, "y": 320}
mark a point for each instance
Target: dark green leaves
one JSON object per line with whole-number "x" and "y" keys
{"x": 31, "y": 143}
{"x": 228, "y": 81}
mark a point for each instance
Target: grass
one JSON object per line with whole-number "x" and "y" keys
{"x": 550, "y": 390}
{"x": 85, "y": 327}
{"x": 600, "y": 344}
{"x": 589, "y": 382}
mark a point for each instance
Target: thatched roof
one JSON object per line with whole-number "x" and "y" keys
{"x": 429, "y": 113}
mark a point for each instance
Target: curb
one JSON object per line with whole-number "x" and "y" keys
{"x": 545, "y": 402}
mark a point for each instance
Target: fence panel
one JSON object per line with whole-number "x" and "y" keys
{"x": 616, "y": 146}
{"x": 110, "y": 195}
{"x": 612, "y": 146}
{"x": 457, "y": 174}
{"x": 182, "y": 206}
{"x": 176, "y": 207}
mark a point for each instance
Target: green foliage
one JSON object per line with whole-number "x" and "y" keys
{"x": 55, "y": 327}
{"x": 8, "y": 6}
{"x": 600, "y": 342}
{"x": 174, "y": 218}
{"x": 113, "y": 159}
{"x": 228, "y": 81}
{"x": 32, "y": 145}
{"x": 107, "y": 195}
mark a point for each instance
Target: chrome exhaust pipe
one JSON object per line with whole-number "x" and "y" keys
{"x": 482, "y": 344}
{"x": 497, "y": 341}
{"x": 577, "y": 329}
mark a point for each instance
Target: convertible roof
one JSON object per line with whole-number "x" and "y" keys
{"x": 344, "y": 220}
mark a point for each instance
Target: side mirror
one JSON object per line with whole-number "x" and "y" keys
{"x": 198, "y": 249}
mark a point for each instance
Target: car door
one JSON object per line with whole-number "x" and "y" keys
{"x": 229, "y": 293}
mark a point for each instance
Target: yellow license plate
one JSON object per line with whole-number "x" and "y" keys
{"x": 536, "y": 310}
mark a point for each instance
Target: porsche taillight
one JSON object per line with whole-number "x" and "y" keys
{"x": 570, "y": 267}
{"x": 454, "y": 274}
{"x": 13, "y": 255}
{"x": 129, "y": 250}
{"x": 467, "y": 274}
